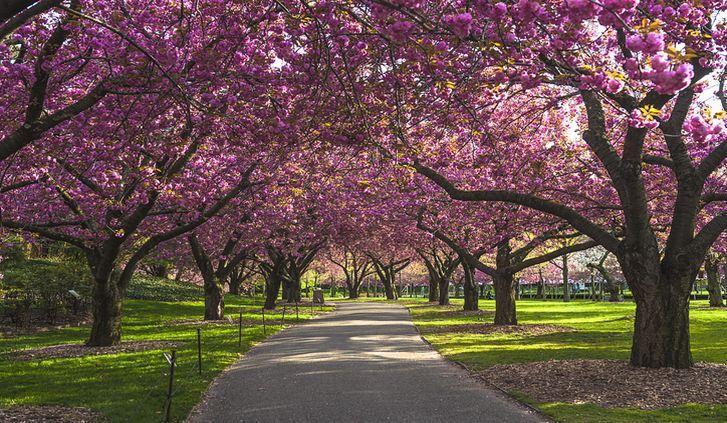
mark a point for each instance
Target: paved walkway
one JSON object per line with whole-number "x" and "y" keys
{"x": 363, "y": 363}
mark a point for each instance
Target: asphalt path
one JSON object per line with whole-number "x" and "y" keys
{"x": 364, "y": 362}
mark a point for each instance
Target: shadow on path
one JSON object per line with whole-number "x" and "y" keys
{"x": 365, "y": 362}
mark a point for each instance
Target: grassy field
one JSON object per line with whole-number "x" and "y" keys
{"x": 602, "y": 331}
{"x": 129, "y": 387}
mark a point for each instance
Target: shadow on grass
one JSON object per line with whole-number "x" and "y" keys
{"x": 131, "y": 386}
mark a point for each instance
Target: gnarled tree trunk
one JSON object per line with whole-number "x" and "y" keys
{"x": 107, "y": 308}
{"x": 470, "y": 289}
{"x": 433, "y": 289}
{"x": 272, "y": 290}
{"x": 214, "y": 299}
{"x": 443, "y": 291}
{"x": 505, "y": 312}
{"x": 713, "y": 286}
{"x": 661, "y": 291}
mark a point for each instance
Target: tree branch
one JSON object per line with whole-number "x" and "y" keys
{"x": 576, "y": 220}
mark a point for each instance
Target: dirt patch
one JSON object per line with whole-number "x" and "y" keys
{"x": 80, "y": 350}
{"x": 48, "y": 413}
{"x": 10, "y": 330}
{"x": 706, "y": 307}
{"x": 223, "y": 322}
{"x": 612, "y": 383}
{"x": 489, "y": 328}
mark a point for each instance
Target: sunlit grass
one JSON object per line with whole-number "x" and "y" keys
{"x": 132, "y": 386}
{"x": 601, "y": 331}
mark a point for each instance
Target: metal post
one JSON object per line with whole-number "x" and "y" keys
{"x": 285, "y": 307}
{"x": 297, "y": 319}
{"x": 239, "y": 335}
{"x": 172, "y": 365}
{"x": 199, "y": 350}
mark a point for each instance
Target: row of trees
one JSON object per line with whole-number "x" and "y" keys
{"x": 489, "y": 136}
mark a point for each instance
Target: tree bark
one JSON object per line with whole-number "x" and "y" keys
{"x": 214, "y": 299}
{"x": 505, "y": 312}
{"x": 443, "y": 291}
{"x": 389, "y": 288}
{"x": 433, "y": 289}
{"x": 470, "y": 289}
{"x": 661, "y": 331}
{"x": 713, "y": 286}
{"x": 612, "y": 285}
{"x": 541, "y": 285}
{"x": 107, "y": 309}
{"x": 566, "y": 291}
{"x": 661, "y": 291}
{"x": 272, "y": 289}
{"x": 234, "y": 285}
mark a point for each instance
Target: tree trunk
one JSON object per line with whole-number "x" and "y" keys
{"x": 352, "y": 291}
{"x": 443, "y": 291}
{"x": 614, "y": 292}
{"x": 293, "y": 291}
{"x": 470, "y": 290}
{"x": 107, "y": 305}
{"x": 713, "y": 286}
{"x": 505, "y": 313}
{"x": 566, "y": 293}
{"x": 541, "y": 286}
{"x": 661, "y": 331}
{"x": 389, "y": 288}
{"x": 234, "y": 284}
{"x": 272, "y": 289}
{"x": 433, "y": 289}
{"x": 214, "y": 299}
{"x": 286, "y": 289}
{"x": 661, "y": 291}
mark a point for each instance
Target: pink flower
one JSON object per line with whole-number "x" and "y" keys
{"x": 459, "y": 24}
{"x": 400, "y": 30}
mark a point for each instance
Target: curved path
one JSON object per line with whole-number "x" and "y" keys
{"x": 365, "y": 362}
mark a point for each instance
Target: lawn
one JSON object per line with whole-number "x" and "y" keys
{"x": 602, "y": 331}
{"x": 132, "y": 386}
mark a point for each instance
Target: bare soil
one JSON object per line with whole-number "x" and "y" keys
{"x": 80, "y": 350}
{"x": 611, "y": 383}
{"x": 489, "y": 328}
{"x": 48, "y": 413}
{"x": 10, "y": 330}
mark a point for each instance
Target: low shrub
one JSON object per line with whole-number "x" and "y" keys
{"x": 40, "y": 290}
{"x": 161, "y": 289}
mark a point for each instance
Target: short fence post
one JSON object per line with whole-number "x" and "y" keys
{"x": 239, "y": 335}
{"x": 285, "y": 307}
{"x": 297, "y": 319}
{"x": 199, "y": 350}
{"x": 170, "y": 390}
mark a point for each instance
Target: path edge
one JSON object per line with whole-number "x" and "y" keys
{"x": 479, "y": 379}
{"x": 206, "y": 394}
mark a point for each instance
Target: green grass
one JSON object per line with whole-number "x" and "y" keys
{"x": 602, "y": 331}
{"x": 132, "y": 386}
{"x": 161, "y": 289}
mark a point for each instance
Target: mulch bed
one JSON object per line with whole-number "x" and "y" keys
{"x": 612, "y": 383}
{"x": 10, "y": 330}
{"x": 489, "y": 328}
{"x": 455, "y": 311}
{"x": 223, "y": 322}
{"x": 48, "y": 413}
{"x": 80, "y": 350}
